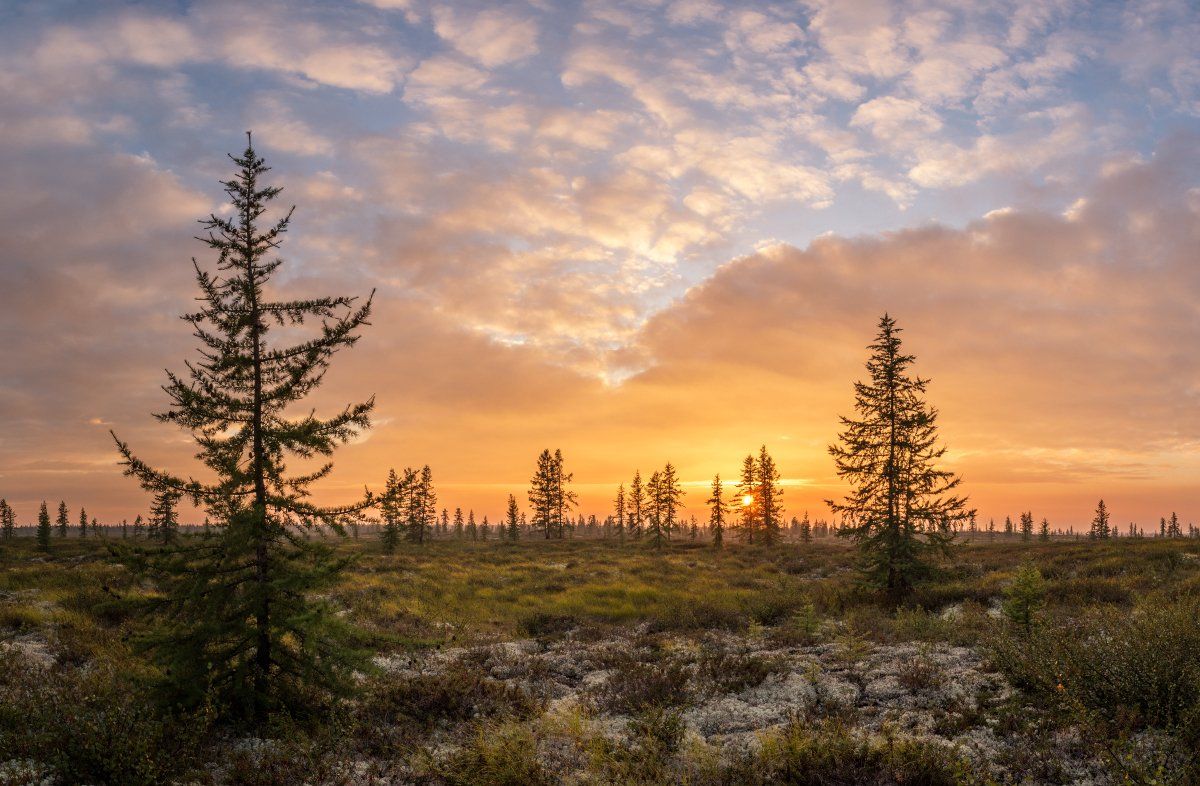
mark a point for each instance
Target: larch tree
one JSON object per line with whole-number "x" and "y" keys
{"x": 619, "y": 513}
{"x": 43, "y": 527}
{"x": 888, "y": 453}
{"x": 718, "y": 512}
{"x": 637, "y": 505}
{"x": 769, "y": 498}
{"x": 63, "y": 521}
{"x": 748, "y": 491}
{"x": 83, "y": 523}
{"x": 512, "y": 522}
{"x": 8, "y": 520}
{"x": 164, "y": 518}
{"x": 1101, "y": 528}
{"x": 390, "y": 503}
{"x": 1027, "y": 525}
{"x": 654, "y": 511}
{"x": 671, "y": 491}
{"x": 1044, "y": 530}
{"x": 458, "y": 523}
{"x": 242, "y": 626}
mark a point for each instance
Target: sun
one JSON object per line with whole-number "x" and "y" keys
{"x": 747, "y": 501}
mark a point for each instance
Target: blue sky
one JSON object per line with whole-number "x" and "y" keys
{"x": 547, "y": 176}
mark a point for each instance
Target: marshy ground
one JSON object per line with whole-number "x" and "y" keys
{"x": 595, "y": 662}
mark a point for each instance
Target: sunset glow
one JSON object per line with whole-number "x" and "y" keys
{"x": 638, "y": 232}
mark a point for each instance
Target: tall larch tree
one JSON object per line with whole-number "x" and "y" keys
{"x": 83, "y": 523}
{"x": 1101, "y": 529}
{"x": 718, "y": 512}
{"x": 637, "y": 505}
{"x": 43, "y": 527}
{"x": 1027, "y": 525}
{"x": 672, "y": 495}
{"x": 164, "y": 516}
{"x": 390, "y": 512}
{"x": 242, "y": 625}
{"x": 748, "y": 492}
{"x": 63, "y": 521}
{"x": 769, "y": 498}
{"x": 8, "y": 520}
{"x": 512, "y": 520}
{"x": 619, "y": 513}
{"x": 655, "y": 529}
{"x": 888, "y": 453}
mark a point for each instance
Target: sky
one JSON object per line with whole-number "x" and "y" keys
{"x": 640, "y": 231}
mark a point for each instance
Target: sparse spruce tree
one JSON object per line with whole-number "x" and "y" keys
{"x": 472, "y": 530}
{"x": 64, "y": 519}
{"x": 805, "y": 529}
{"x": 242, "y": 625}
{"x": 748, "y": 490}
{"x": 1044, "y": 532}
{"x": 888, "y": 453}
{"x": 164, "y": 520}
{"x": 511, "y": 520}
{"x": 671, "y": 491}
{"x": 43, "y": 528}
{"x": 458, "y": 523}
{"x": 637, "y": 505}
{"x": 390, "y": 512}
{"x": 619, "y": 517}
{"x": 769, "y": 498}
{"x": 1100, "y": 523}
{"x": 655, "y": 524}
{"x": 1027, "y": 525}
{"x": 1025, "y": 597}
{"x": 718, "y": 512}
{"x": 1173, "y": 528}
{"x": 139, "y": 527}
{"x": 8, "y": 520}
{"x": 83, "y": 523}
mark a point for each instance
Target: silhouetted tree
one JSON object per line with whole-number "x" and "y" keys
{"x": 390, "y": 512}
{"x": 619, "y": 518}
{"x": 1100, "y": 527}
{"x": 671, "y": 491}
{"x": 1044, "y": 532}
{"x": 83, "y": 522}
{"x": 512, "y": 520}
{"x": 889, "y": 453}
{"x": 8, "y": 520}
{"x": 748, "y": 489}
{"x": 164, "y": 520}
{"x": 637, "y": 505}
{"x": 243, "y": 626}
{"x": 458, "y": 523}
{"x": 718, "y": 511}
{"x": 655, "y": 526}
{"x": 769, "y": 497}
{"x": 1027, "y": 525}
{"x": 43, "y": 528}
{"x": 64, "y": 519}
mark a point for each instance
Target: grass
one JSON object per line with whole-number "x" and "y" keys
{"x": 1114, "y": 625}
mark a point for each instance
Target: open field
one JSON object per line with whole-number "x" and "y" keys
{"x": 593, "y": 662}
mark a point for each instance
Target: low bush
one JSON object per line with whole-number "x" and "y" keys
{"x": 829, "y": 754}
{"x": 637, "y": 686}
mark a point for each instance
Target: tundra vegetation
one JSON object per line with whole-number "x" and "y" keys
{"x": 387, "y": 642}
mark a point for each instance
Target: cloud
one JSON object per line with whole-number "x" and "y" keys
{"x": 494, "y": 36}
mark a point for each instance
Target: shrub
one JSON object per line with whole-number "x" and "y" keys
{"x": 91, "y": 726}
{"x": 497, "y": 755}
{"x": 635, "y": 687}
{"x": 828, "y": 754}
{"x": 1137, "y": 669}
{"x": 393, "y": 709}
{"x": 733, "y": 672}
{"x": 1026, "y": 597}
